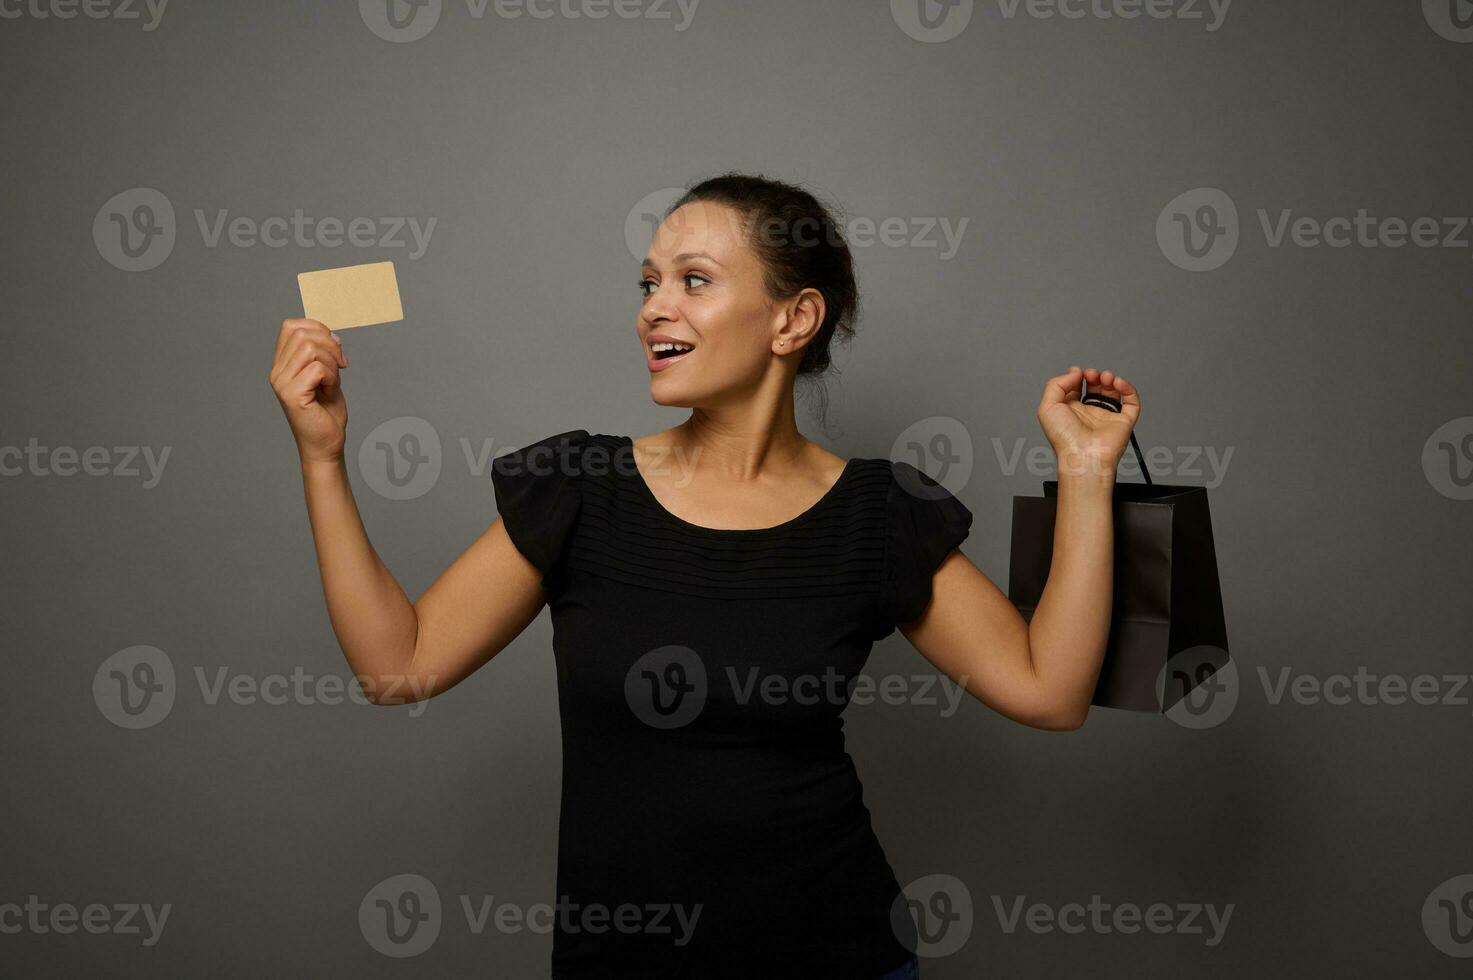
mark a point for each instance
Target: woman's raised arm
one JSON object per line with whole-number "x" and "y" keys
{"x": 1043, "y": 672}
{"x": 399, "y": 651}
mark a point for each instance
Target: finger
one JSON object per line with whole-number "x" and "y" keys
{"x": 314, "y": 340}
{"x": 289, "y": 362}
{"x": 306, "y": 356}
{"x": 1130, "y": 399}
{"x": 305, "y": 384}
{"x": 290, "y": 327}
{"x": 298, "y": 326}
{"x": 1077, "y": 392}
{"x": 1058, "y": 389}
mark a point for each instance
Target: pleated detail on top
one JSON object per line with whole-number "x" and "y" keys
{"x": 836, "y": 547}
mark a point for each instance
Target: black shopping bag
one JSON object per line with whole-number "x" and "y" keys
{"x": 1167, "y": 632}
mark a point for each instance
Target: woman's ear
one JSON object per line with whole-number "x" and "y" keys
{"x": 804, "y": 316}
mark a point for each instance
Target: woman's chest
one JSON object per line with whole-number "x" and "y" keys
{"x": 668, "y": 660}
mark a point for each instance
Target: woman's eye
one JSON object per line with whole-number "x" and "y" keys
{"x": 692, "y": 280}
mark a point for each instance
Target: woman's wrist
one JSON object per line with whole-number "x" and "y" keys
{"x": 1100, "y": 482}
{"x": 1086, "y": 468}
{"x": 321, "y": 465}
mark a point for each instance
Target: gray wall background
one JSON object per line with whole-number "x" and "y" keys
{"x": 1333, "y": 375}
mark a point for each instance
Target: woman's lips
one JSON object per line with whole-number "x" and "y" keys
{"x": 661, "y": 363}
{"x": 663, "y": 358}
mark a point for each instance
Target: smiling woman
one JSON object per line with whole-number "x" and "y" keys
{"x": 729, "y": 248}
{"x": 710, "y": 618}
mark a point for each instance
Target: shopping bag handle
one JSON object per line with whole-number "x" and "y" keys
{"x": 1113, "y": 405}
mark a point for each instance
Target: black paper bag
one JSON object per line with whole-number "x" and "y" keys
{"x": 1167, "y": 632}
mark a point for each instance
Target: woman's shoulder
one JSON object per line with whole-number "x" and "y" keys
{"x": 563, "y": 457}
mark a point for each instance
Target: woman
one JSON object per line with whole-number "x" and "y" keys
{"x": 715, "y": 588}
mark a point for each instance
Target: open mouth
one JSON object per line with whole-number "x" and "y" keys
{"x": 663, "y": 352}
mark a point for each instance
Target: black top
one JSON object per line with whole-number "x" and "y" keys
{"x": 712, "y": 821}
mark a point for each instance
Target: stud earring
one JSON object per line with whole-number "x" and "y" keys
{"x": 782, "y": 343}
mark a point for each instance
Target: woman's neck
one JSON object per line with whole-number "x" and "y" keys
{"x": 741, "y": 443}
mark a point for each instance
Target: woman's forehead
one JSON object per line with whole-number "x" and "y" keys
{"x": 699, "y": 229}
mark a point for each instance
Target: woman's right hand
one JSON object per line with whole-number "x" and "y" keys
{"x": 304, "y": 376}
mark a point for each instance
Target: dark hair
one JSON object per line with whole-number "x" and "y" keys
{"x": 800, "y": 246}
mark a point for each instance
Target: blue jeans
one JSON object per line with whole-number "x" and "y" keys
{"x": 909, "y": 970}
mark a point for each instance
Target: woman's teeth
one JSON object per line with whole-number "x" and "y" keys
{"x": 662, "y": 351}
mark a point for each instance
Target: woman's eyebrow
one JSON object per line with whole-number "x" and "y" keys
{"x": 685, "y": 257}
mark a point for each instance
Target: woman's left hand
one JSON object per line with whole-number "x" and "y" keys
{"x": 1088, "y": 440}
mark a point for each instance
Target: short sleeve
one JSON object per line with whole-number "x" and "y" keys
{"x": 923, "y": 524}
{"x": 538, "y": 498}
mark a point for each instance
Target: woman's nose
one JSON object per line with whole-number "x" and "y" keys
{"x": 660, "y": 306}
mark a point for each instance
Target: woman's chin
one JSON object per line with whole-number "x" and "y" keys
{"x": 669, "y": 398}
{"x": 671, "y": 393}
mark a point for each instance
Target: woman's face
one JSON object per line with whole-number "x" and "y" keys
{"x": 706, "y": 323}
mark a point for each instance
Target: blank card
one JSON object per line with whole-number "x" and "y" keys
{"x": 354, "y": 296}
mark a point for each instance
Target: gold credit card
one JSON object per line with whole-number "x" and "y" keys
{"x": 354, "y": 296}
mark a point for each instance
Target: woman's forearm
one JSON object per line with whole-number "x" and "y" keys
{"x": 374, "y": 620}
{"x": 1071, "y": 624}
